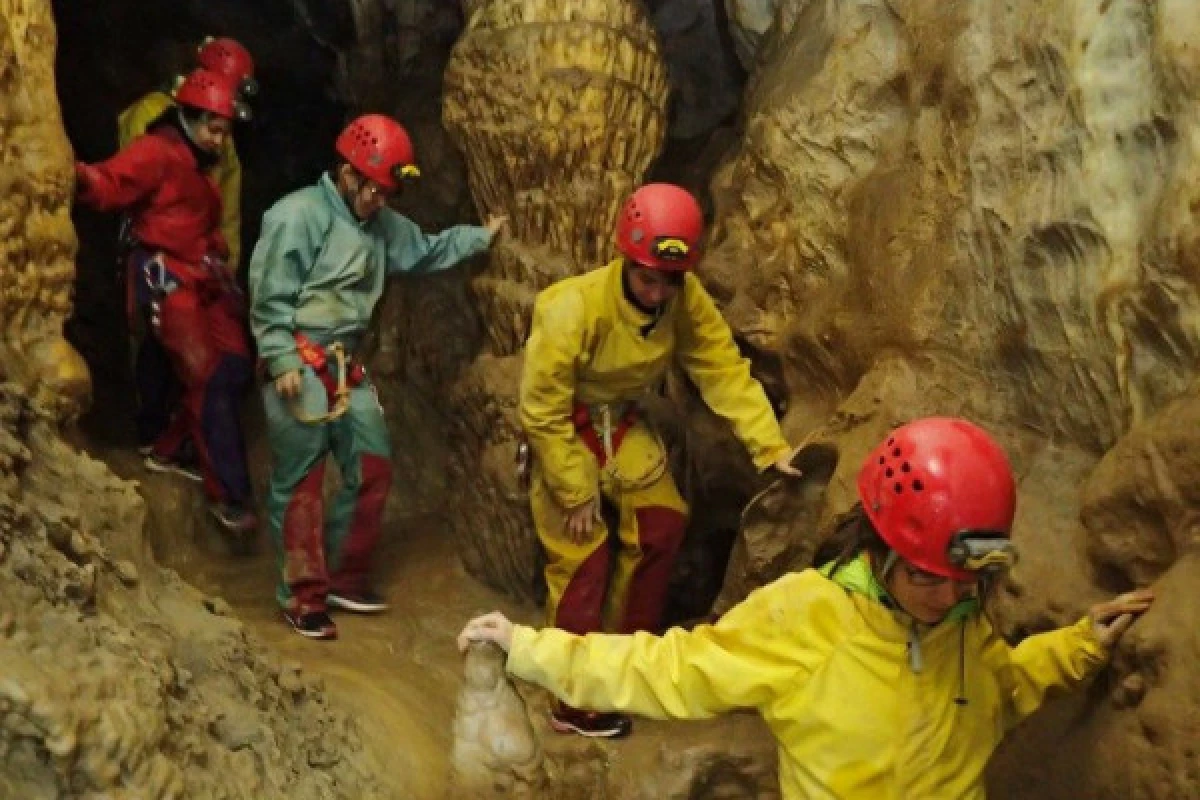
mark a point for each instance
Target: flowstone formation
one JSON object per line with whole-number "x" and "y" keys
{"x": 559, "y": 107}
{"x": 118, "y": 679}
{"x": 37, "y": 259}
{"x": 990, "y": 211}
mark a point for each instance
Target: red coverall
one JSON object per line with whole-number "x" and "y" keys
{"x": 176, "y": 218}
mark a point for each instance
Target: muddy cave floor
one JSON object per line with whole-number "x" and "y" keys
{"x": 399, "y": 672}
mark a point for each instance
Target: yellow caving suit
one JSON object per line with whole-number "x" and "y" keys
{"x": 590, "y": 348}
{"x": 827, "y": 665}
{"x": 132, "y": 123}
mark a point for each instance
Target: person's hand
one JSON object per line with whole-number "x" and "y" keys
{"x": 288, "y": 384}
{"x": 580, "y": 521}
{"x": 495, "y": 224}
{"x": 784, "y": 464}
{"x": 1112, "y": 618}
{"x": 493, "y": 627}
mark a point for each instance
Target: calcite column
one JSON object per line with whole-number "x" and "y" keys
{"x": 37, "y": 241}
{"x": 559, "y": 107}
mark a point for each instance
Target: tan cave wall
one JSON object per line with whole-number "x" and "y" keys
{"x": 993, "y": 210}
{"x": 37, "y": 258}
{"x": 559, "y": 107}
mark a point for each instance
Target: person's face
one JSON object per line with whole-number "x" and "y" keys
{"x": 653, "y": 288}
{"x": 365, "y": 197}
{"x": 927, "y": 597}
{"x": 212, "y": 132}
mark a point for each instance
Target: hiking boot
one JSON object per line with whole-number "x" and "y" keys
{"x": 313, "y": 624}
{"x": 592, "y": 724}
{"x": 364, "y": 602}
{"x": 156, "y": 463}
{"x": 233, "y": 518}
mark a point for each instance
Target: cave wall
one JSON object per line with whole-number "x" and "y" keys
{"x": 991, "y": 210}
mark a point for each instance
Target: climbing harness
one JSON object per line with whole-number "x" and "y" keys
{"x": 160, "y": 284}
{"x": 338, "y": 385}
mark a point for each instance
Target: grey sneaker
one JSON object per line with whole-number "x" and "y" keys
{"x": 364, "y": 602}
{"x": 233, "y": 518}
{"x": 157, "y": 464}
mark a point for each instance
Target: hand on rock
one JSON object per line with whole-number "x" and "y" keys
{"x": 1113, "y": 618}
{"x": 495, "y": 224}
{"x": 493, "y": 627}
{"x": 784, "y": 464}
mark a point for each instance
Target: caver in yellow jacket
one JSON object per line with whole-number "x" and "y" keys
{"x": 227, "y": 173}
{"x": 826, "y": 663}
{"x": 588, "y": 347}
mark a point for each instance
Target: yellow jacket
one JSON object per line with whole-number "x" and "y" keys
{"x": 132, "y": 123}
{"x": 586, "y": 346}
{"x": 826, "y": 664}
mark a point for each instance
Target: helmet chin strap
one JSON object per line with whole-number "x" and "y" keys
{"x": 889, "y": 564}
{"x": 188, "y": 129}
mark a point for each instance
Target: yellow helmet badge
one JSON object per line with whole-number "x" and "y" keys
{"x": 670, "y": 248}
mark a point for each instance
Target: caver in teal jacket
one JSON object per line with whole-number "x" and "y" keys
{"x": 318, "y": 270}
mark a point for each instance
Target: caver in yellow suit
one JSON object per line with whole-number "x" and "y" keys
{"x": 591, "y": 354}
{"x": 825, "y": 663}
{"x": 867, "y": 700}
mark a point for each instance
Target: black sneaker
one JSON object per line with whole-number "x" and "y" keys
{"x": 314, "y": 624}
{"x": 156, "y": 464}
{"x": 592, "y": 724}
{"x": 364, "y": 602}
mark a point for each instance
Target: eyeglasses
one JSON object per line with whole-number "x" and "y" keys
{"x": 919, "y": 577}
{"x": 373, "y": 189}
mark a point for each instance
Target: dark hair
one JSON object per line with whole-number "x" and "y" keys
{"x": 854, "y": 535}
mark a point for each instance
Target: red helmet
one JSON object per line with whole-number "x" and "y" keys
{"x": 378, "y": 147}
{"x": 209, "y": 91}
{"x": 940, "y": 492}
{"x": 227, "y": 57}
{"x": 660, "y": 228}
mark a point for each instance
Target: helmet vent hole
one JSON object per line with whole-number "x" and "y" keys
{"x": 917, "y": 485}
{"x": 899, "y": 489}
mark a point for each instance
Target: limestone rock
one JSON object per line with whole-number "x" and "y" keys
{"x": 496, "y": 753}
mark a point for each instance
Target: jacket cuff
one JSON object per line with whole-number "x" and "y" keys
{"x": 768, "y": 456}
{"x": 1095, "y": 654}
{"x": 282, "y": 364}
{"x": 518, "y": 650}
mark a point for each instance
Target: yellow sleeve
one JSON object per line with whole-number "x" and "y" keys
{"x": 744, "y": 661}
{"x": 132, "y": 122}
{"x": 1060, "y": 659}
{"x": 547, "y": 397}
{"x": 708, "y": 354}
{"x": 228, "y": 175}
